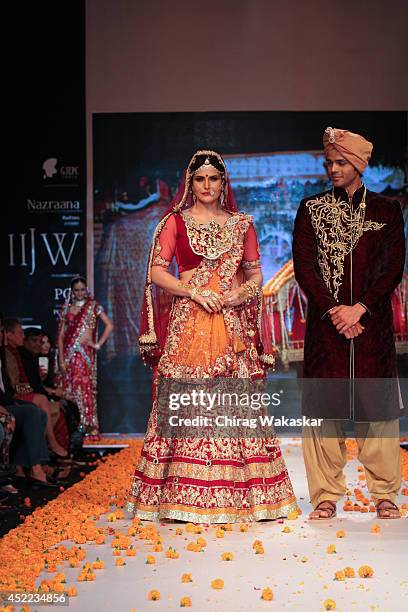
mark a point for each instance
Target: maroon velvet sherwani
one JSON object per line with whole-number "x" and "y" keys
{"x": 346, "y": 252}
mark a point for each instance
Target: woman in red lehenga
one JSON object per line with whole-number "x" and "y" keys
{"x": 77, "y": 347}
{"x": 211, "y": 330}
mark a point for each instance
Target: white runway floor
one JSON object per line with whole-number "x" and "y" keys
{"x": 295, "y": 565}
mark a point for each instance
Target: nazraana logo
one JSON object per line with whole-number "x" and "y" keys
{"x": 50, "y": 167}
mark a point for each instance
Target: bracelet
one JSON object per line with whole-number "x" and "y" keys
{"x": 196, "y": 291}
{"x": 251, "y": 289}
{"x": 185, "y": 286}
{"x": 97, "y": 346}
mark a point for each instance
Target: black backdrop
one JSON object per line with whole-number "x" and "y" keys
{"x": 42, "y": 239}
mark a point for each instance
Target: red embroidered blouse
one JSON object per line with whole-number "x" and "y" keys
{"x": 175, "y": 240}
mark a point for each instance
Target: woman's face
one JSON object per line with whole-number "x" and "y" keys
{"x": 45, "y": 345}
{"x": 207, "y": 186}
{"x": 79, "y": 290}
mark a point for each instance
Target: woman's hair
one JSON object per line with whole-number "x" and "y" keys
{"x": 214, "y": 161}
{"x": 76, "y": 280}
{"x": 47, "y": 335}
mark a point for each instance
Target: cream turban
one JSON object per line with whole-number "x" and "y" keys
{"x": 353, "y": 147}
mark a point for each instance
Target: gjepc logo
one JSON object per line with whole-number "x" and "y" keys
{"x": 49, "y": 167}
{"x": 67, "y": 174}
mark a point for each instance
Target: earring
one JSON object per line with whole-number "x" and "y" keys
{"x": 222, "y": 198}
{"x": 194, "y": 198}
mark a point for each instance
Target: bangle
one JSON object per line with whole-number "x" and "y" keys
{"x": 184, "y": 286}
{"x": 251, "y": 289}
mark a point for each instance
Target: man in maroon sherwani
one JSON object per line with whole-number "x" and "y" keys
{"x": 348, "y": 253}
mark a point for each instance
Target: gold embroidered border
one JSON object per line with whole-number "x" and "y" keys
{"x": 212, "y": 515}
{"x": 251, "y": 265}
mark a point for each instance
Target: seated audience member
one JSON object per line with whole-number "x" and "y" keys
{"x": 30, "y": 355}
{"x": 51, "y": 382}
{"x": 30, "y": 448}
{"x": 7, "y": 427}
{"x": 20, "y": 385}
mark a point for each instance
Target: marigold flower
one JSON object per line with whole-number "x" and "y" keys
{"x": 340, "y": 533}
{"x": 227, "y": 556}
{"x": 120, "y": 561}
{"x": 150, "y": 560}
{"x": 365, "y": 571}
{"x": 257, "y": 543}
{"x": 329, "y": 604}
{"x": 179, "y": 531}
{"x": 220, "y": 533}
{"x": 331, "y": 549}
{"x": 243, "y": 527}
{"x": 154, "y": 595}
{"x": 98, "y": 564}
{"x": 171, "y": 553}
{"x": 202, "y": 542}
{"x": 286, "y": 529}
{"x": 293, "y": 515}
{"x": 186, "y": 578}
{"x": 339, "y": 575}
{"x": 217, "y": 584}
{"x": 72, "y": 592}
{"x": 185, "y": 602}
{"x": 349, "y": 572}
{"x": 131, "y": 552}
{"x": 267, "y": 594}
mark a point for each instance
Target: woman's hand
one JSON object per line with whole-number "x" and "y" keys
{"x": 235, "y": 297}
{"x": 94, "y": 345}
{"x": 208, "y": 299}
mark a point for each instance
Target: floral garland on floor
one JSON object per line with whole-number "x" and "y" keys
{"x": 36, "y": 545}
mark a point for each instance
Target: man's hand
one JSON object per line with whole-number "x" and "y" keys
{"x": 354, "y": 331}
{"x": 345, "y": 317}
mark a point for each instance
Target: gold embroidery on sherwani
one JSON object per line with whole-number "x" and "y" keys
{"x": 338, "y": 229}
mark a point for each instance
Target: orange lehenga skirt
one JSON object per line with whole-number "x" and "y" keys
{"x": 205, "y": 479}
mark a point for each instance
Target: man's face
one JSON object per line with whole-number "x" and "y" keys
{"x": 340, "y": 171}
{"x": 33, "y": 344}
{"x": 15, "y": 337}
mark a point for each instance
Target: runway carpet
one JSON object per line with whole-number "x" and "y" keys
{"x": 81, "y": 543}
